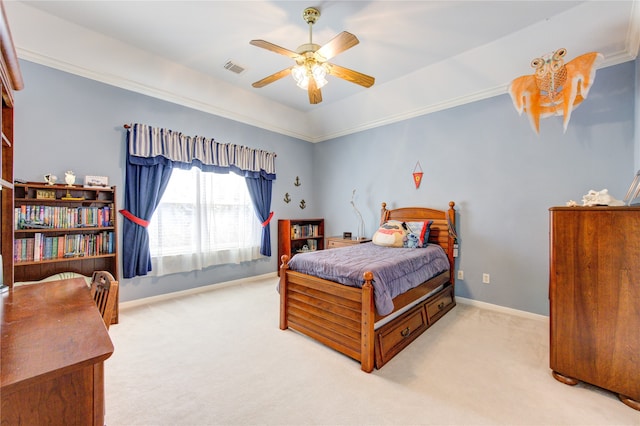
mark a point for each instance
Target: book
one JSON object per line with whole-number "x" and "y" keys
{"x": 37, "y": 246}
{"x": 17, "y": 250}
{"x": 61, "y": 242}
{"x": 30, "y": 249}
{"x": 48, "y": 248}
{"x": 54, "y": 248}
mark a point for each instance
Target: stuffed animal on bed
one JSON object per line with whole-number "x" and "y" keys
{"x": 391, "y": 234}
{"x": 412, "y": 241}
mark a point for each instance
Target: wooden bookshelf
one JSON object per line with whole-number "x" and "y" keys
{"x": 299, "y": 235}
{"x": 61, "y": 228}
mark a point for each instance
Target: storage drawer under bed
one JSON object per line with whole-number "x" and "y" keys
{"x": 394, "y": 336}
{"x": 439, "y": 305}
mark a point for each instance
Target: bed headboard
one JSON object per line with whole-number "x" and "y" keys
{"x": 442, "y": 230}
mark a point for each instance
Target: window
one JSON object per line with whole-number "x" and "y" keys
{"x": 203, "y": 219}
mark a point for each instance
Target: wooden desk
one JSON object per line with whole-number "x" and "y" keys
{"x": 53, "y": 346}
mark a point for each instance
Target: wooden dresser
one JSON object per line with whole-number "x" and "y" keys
{"x": 594, "y": 294}
{"x": 52, "y": 351}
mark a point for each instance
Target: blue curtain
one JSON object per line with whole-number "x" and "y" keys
{"x": 260, "y": 192}
{"x": 153, "y": 152}
{"x": 144, "y": 186}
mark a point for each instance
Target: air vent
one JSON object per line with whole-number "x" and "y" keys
{"x": 233, "y": 67}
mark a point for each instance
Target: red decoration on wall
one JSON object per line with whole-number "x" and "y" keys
{"x": 417, "y": 175}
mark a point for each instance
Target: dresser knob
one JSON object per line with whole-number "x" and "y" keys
{"x": 440, "y": 306}
{"x": 405, "y": 332}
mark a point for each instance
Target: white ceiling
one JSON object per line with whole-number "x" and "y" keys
{"x": 425, "y": 55}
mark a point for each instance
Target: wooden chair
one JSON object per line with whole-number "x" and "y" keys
{"x": 104, "y": 290}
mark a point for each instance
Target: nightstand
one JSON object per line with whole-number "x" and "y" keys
{"x": 335, "y": 242}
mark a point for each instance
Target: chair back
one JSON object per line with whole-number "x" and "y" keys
{"x": 104, "y": 291}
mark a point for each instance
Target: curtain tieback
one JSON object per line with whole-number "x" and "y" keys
{"x": 266, "y": 222}
{"x": 135, "y": 219}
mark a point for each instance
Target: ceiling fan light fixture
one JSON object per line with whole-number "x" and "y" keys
{"x": 319, "y": 73}
{"x": 302, "y": 73}
{"x": 299, "y": 74}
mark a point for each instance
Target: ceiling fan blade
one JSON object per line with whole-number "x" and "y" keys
{"x": 273, "y": 77}
{"x": 351, "y": 75}
{"x": 275, "y": 48}
{"x": 315, "y": 95}
{"x": 338, "y": 44}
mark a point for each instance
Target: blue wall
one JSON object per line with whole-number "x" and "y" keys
{"x": 502, "y": 176}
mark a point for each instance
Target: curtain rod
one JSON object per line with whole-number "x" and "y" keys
{"x": 128, "y": 126}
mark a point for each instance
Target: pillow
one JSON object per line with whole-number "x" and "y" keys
{"x": 392, "y": 233}
{"x": 55, "y": 277}
{"x": 420, "y": 231}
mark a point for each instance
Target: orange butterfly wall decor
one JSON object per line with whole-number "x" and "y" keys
{"x": 555, "y": 88}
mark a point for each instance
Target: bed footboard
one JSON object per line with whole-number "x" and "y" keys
{"x": 338, "y": 316}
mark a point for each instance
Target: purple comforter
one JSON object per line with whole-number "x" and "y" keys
{"x": 395, "y": 270}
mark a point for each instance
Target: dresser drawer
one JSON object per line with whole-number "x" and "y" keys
{"x": 335, "y": 242}
{"x": 395, "y": 336}
{"x": 331, "y": 243}
{"x": 440, "y": 305}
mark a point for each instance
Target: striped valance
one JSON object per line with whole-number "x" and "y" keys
{"x": 152, "y": 145}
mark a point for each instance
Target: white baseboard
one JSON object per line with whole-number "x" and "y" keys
{"x": 196, "y": 290}
{"x": 503, "y": 309}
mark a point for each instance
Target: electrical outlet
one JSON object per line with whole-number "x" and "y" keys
{"x": 486, "y": 278}
{"x": 461, "y": 274}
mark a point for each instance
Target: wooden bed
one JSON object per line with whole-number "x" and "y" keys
{"x": 344, "y": 318}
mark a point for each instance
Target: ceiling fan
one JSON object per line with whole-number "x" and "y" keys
{"x": 311, "y": 66}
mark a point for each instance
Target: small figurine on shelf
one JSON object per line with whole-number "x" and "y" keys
{"x": 50, "y": 179}
{"x": 70, "y": 178}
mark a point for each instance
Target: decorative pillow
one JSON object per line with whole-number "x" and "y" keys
{"x": 392, "y": 233}
{"x": 420, "y": 232}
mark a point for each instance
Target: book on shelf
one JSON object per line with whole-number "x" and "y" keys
{"x": 304, "y": 231}
{"x": 42, "y": 247}
{"x": 37, "y": 243}
{"x": 56, "y": 217}
{"x": 30, "y": 250}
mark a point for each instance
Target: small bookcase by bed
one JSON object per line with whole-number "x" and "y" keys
{"x": 345, "y": 318}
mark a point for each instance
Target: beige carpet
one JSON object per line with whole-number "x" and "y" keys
{"x": 219, "y": 358}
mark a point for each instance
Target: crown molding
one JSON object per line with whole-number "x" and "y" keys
{"x": 391, "y": 102}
